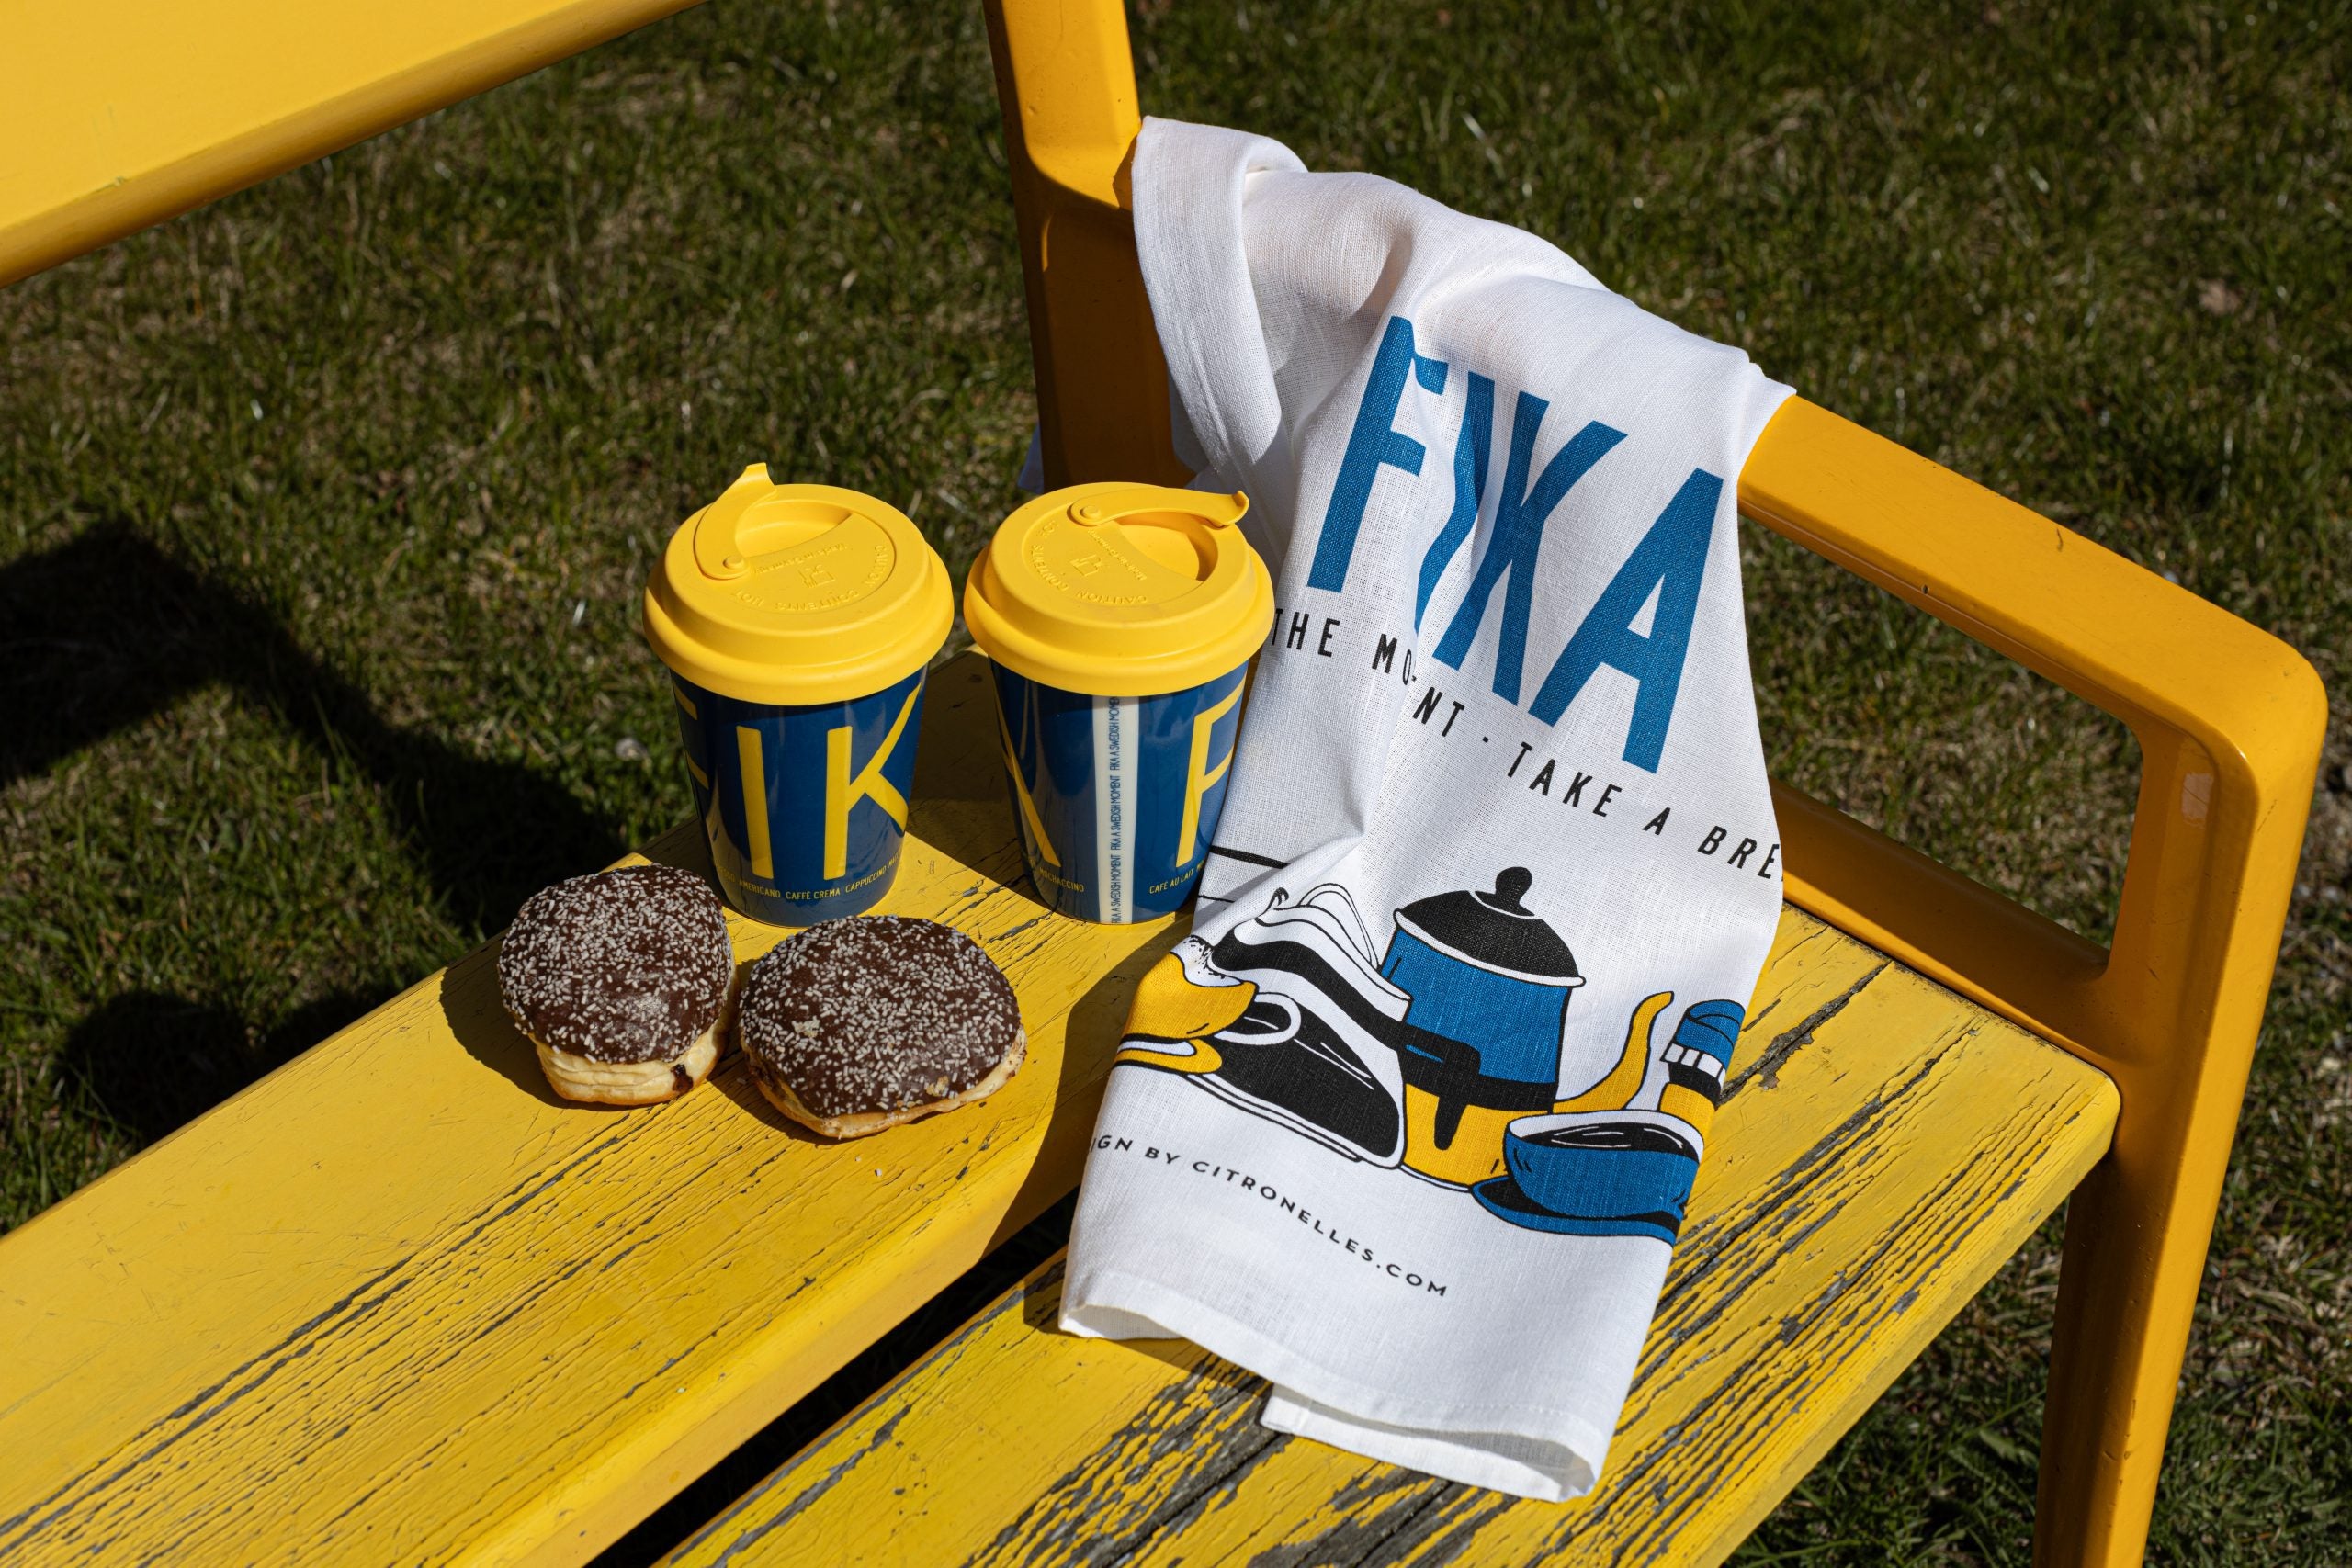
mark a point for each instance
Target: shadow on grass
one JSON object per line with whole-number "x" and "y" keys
{"x": 103, "y": 633}
{"x": 153, "y": 1061}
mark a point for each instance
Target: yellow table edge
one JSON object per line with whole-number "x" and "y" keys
{"x": 101, "y": 134}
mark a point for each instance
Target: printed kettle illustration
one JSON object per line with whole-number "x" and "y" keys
{"x": 1490, "y": 982}
{"x": 1443, "y": 1057}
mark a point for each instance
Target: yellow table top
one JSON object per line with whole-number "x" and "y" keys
{"x": 1885, "y": 1146}
{"x": 115, "y": 114}
{"x": 395, "y": 1302}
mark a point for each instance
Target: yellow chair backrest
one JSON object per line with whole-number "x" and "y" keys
{"x": 2229, "y": 721}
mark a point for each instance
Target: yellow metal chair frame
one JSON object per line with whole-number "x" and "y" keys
{"x": 181, "y": 105}
{"x": 2229, "y": 721}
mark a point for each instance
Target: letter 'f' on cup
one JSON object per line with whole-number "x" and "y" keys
{"x": 1121, "y": 619}
{"x": 797, "y": 621}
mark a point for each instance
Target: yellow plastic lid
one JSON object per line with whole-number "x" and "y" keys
{"x": 797, "y": 593}
{"x": 1121, "y": 590}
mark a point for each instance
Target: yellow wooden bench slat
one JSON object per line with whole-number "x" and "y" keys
{"x": 115, "y": 114}
{"x": 1887, "y": 1146}
{"x": 395, "y": 1302}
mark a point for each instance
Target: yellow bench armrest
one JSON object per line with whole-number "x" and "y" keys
{"x": 115, "y": 115}
{"x": 2229, "y": 721}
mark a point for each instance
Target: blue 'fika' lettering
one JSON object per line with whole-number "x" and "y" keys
{"x": 1471, "y": 450}
{"x": 1670, "y": 561}
{"x": 1374, "y": 444}
{"x": 1520, "y": 514}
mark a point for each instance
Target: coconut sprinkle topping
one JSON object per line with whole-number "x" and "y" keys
{"x": 876, "y": 1014}
{"x": 622, "y": 967}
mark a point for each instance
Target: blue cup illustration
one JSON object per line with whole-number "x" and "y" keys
{"x": 805, "y": 806}
{"x": 1117, "y": 797}
{"x": 1597, "y": 1173}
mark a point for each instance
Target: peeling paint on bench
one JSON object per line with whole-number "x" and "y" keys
{"x": 1885, "y": 1146}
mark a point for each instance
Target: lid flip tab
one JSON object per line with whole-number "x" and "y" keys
{"x": 1121, "y": 590}
{"x": 797, "y": 594}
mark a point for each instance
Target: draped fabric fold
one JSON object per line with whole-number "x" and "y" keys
{"x": 1409, "y": 1123}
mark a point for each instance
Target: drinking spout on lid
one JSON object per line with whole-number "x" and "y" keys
{"x": 1221, "y": 511}
{"x": 714, "y": 547}
{"x": 756, "y": 519}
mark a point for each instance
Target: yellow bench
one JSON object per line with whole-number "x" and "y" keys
{"x": 394, "y": 1303}
{"x": 1884, "y": 1148}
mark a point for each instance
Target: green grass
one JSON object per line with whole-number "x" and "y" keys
{"x": 322, "y": 514}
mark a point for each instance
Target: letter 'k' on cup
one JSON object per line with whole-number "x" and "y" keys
{"x": 797, "y": 621}
{"x": 1121, "y": 619}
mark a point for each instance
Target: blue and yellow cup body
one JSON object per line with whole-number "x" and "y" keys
{"x": 797, "y": 622}
{"x": 1117, "y": 797}
{"x": 806, "y": 805}
{"x": 1121, "y": 620}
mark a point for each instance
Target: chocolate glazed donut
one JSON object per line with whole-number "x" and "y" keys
{"x": 860, "y": 1024}
{"x": 621, "y": 980}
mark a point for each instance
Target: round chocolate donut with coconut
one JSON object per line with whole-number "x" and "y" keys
{"x": 621, "y": 979}
{"x": 861, "y": 1024}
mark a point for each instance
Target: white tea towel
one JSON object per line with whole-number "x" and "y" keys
{"x": 1407, "y": 1123}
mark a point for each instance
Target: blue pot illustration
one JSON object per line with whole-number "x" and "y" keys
{"x": 1490, "y": 982}
{"x": 1444, "y": 1057}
